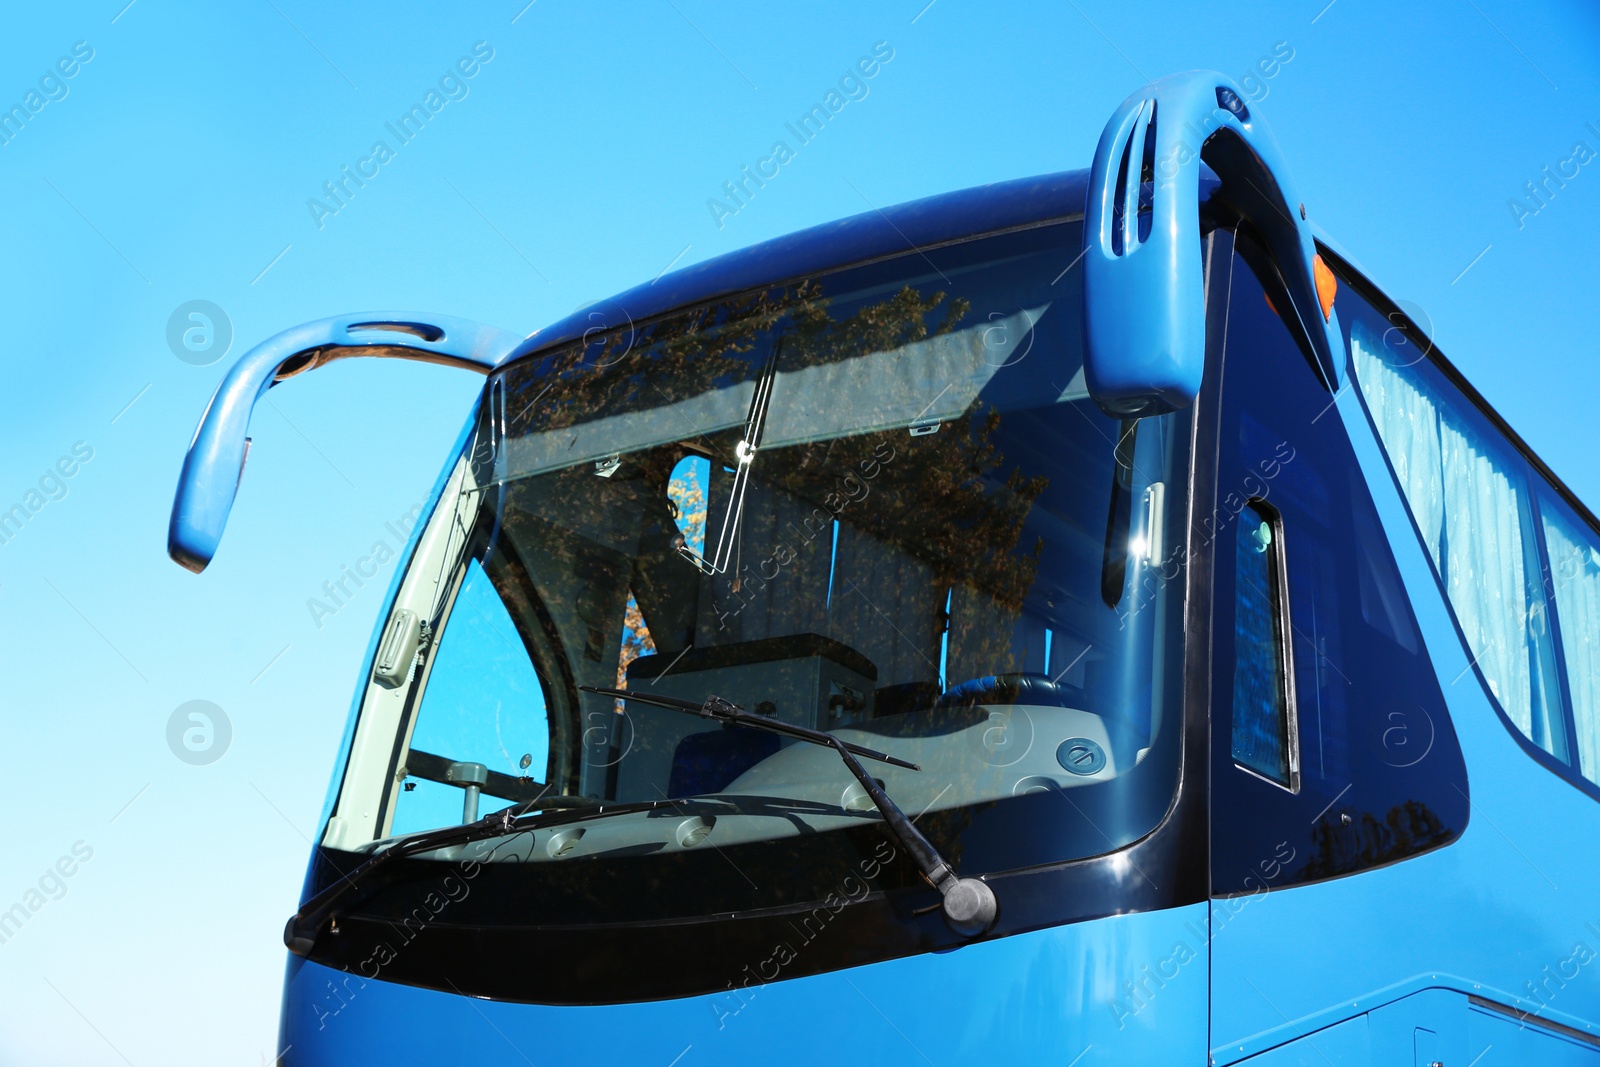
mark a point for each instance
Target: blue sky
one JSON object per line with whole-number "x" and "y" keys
{"x": 177, "y": 163}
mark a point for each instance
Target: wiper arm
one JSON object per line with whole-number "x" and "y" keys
{"x": 755, "y": 425}
{"x": 304, "y": 926}
{"x": 725, "y": 711}
{"x": 968, "y": 904}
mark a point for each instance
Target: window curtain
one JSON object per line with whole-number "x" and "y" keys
{"x": 1466, "y": 502}
{"x": 1575, "y": 577}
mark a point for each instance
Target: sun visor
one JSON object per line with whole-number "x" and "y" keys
{"x": 918, "y": 386}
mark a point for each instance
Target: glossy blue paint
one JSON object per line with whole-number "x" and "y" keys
{"x": 1058, "y": 996}
{"x": 914, "y": 226}
{"x": 215, "y": 460}
{"x": 1144, "y": 299}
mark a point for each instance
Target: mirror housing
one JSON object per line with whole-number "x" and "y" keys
{"x": 1144, "y": 296}
{"x": 215, "y": 460}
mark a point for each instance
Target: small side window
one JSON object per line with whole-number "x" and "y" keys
{"x": 1264, "y": 728}
{"x": 482, "y": 735}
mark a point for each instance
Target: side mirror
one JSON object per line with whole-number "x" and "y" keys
{"x": 215, "y": 460}
{"x": 1144, "y": 299}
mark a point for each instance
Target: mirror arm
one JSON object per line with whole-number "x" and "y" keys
{"x": 1144, "y": 298}
{"x": 215, "y": 460}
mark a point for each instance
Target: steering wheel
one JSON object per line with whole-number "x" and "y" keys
{"x": 1014, "y": 688}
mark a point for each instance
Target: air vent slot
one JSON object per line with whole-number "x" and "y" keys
{"x": 1119, "y": 194}
{"x": 1147, "y": 178}
{"x": 420, "y": 330}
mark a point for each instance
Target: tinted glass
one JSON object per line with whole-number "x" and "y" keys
{"x": 878, "y": 503}
{"x": 1261, "y": 695}
{"x": 1380, "y": 775}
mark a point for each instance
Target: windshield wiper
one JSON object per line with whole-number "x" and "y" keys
{"x": 725, "y": 711}
{"x": 744, "y": 454}
{"x": 968, "y": 904}
{"x": 304, "y": 926}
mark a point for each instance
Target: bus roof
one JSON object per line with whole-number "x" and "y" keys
{"x": 870, "y": 235}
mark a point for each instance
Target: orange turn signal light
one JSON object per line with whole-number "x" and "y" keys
{"x": 1327, "y": 286}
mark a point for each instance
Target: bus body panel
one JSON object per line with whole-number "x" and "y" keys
{"x": 1129, "y": 988}
{"x": 1423, "y": 1028}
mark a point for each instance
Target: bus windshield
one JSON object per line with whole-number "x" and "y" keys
{"x": 876, "y": 502}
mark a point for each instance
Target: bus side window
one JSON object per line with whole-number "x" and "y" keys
{"x": 1264, "y": 728}
{"x": 1468, "y": 492}
{"x": 1574, "y": 581}
{"x": 483, "y": 704}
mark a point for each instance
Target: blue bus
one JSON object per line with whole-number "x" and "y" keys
{"x": 1079, "y": 620}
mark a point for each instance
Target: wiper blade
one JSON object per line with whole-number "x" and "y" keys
{"x": 755, "y": 425}
{"x": 725, "y": 711}
{"x": 968, "y": 904}
{"x": 305, "y": 925}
